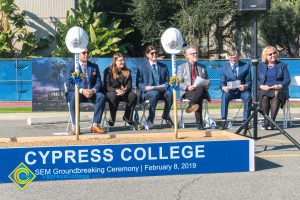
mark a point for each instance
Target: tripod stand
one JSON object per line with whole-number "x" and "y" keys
{"x": 256, "y": 109}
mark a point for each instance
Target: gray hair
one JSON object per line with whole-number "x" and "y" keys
{"x": 184, "y": 49}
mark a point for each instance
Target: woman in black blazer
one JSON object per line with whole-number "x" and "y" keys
{"x": 118, "y": 83}
{"x": 273, "y": 82}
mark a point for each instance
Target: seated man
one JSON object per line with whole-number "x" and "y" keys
{"x": 187, "y": 73}
{"x": 232, "y": 73}
{"x": 89, "y": 90}
{"x": 152, "y": 81}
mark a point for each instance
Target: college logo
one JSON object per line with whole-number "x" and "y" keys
{"x": 22, "y": 176}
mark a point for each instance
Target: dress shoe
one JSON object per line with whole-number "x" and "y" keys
{"x": 200, "y": 126}
{"x": 223, "y": 125}
{"x": 97, "y": 129}
{"x": 192, "y": 108}
{"x": 169, "y": 121}
{"x": 128, "y": 121}
{"x": 111, "y": 122}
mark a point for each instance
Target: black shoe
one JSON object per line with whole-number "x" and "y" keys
{"x": 169, "y": 121}
{"x": 111, "y": 122}
{"x": 223, "y": 125}
{"x": 128, "y": 121}
{"x": 200, "y": 126}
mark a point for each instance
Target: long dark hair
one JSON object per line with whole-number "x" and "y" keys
{"x": 115, "y": 70}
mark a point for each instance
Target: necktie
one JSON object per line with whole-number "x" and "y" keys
{"x": 234, "y": 71}
{"x": 155, "y": 75}
{"x": 193, "y": 72}
{"x": 85, "y": 82}
{"x": 83, "y": 68}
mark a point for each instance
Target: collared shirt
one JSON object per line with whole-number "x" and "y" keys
{"x": 236, "y": 68}
{"x": 155, "y": 63}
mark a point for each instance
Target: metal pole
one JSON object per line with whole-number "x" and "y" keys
{"x": 77, "y": 129}
{"x": 255, "y": 35}
{"x": 175, "y": 97}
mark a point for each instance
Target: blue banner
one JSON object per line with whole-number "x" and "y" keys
{"x": 22, "y": 165}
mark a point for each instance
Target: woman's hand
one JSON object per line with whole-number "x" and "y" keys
{"x": 265, "y": 87}
{"x": 277, "y": 87}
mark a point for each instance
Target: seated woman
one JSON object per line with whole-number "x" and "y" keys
{"x": 273, "y": 82}
{"x": 118, "y": 83}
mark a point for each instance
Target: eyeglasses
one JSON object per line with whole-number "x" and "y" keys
{"x": 194, "y": 53}
{"x": 270, "y": 54}
{"x": 152, "y": 53}
{"x": 121, "y": 60}
{"x": 85, "y": 52}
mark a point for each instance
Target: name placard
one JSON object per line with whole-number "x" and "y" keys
{"x": 125, "y": 160}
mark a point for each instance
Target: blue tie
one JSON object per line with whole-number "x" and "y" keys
{"x": 155, "y": 75}
{"x": 234, "y": 71}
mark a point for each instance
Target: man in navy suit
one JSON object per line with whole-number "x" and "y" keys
{"x": 89, "y": 90}
{"x": 232, "y": 71}
{"x": 152, "y": 81}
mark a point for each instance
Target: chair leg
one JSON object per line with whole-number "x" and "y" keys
{"x": 104, "y": 122}
{"x": 143, "y": 118}
{"x": 181, "y": 117}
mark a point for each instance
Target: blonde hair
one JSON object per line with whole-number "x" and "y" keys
{"x": 265, "y": 53}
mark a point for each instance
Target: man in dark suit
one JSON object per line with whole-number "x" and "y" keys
{"x": 152, "y": 81}
{"x": 187, "y": 73}
{"x": 231, "y": 72}
{"x": 89, "y": 90}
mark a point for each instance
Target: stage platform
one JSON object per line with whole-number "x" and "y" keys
{"x": 124, "y": 155}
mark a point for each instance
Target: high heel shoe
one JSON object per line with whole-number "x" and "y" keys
{"x": 111, "y": 122}
{"x": 128, "y": 121}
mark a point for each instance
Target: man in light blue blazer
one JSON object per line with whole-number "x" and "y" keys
{"x": 152, "y": 81}
{"x": 232, "y": 71}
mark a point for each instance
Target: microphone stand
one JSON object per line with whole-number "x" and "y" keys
{"x": 256, "y": 109}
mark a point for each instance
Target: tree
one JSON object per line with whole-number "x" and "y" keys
{"x": 280, "y": 26}
{"x": 151, "y": 18}
{"x": 104, "y": 37}
{"x": 206, "y": 20}
{"x": 15, "y": 40}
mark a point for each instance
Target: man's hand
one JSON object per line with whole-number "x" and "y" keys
{"x": 148, "y": 88}
{"x": 191, "y": 88}
{"x": 88, "y": 93}
{"x": 242, "y": 87}
{"x": 226, "y": 88}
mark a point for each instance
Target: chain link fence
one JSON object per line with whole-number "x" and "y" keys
{"x": 16, "y": 77}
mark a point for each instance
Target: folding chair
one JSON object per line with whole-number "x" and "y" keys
{"x": 105, "y": 119}
{"x": 209, "y": 123}
{"x": 145, "y": 106}
{"x": 295, "y": 82}
{"x": 82, "y": 105}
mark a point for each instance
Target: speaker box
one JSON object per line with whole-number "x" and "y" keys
{"x": 253, "y": 5}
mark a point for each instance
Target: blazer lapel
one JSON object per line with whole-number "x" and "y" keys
{"x": 158, "y": 72}
{"x": 188, "y": 73}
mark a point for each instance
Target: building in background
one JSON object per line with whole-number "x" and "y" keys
{"x": 43, "y": 16}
